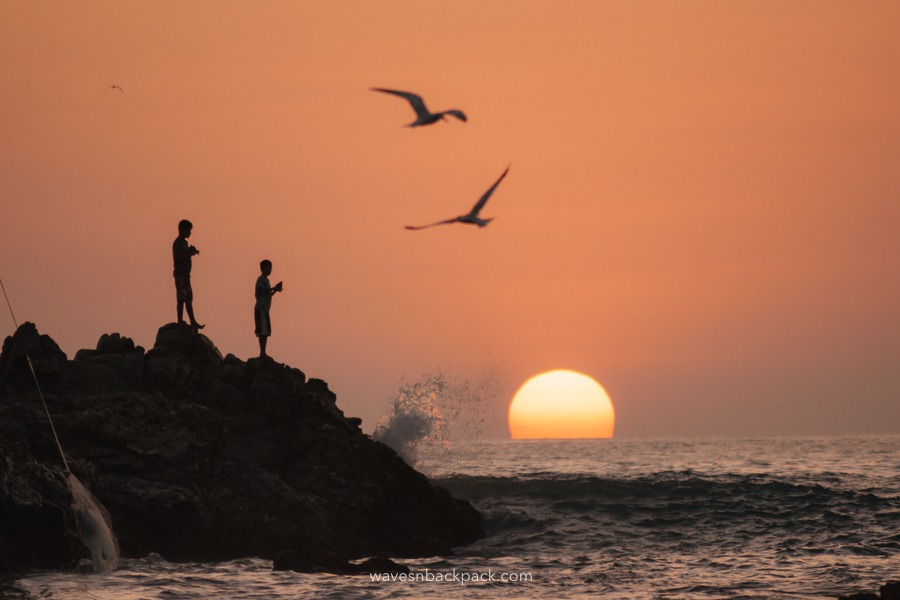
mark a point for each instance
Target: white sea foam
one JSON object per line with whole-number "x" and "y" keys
{"x": 94, "y": 527}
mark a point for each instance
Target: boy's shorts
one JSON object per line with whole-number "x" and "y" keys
{"x": 183, "y": 291}
{"x": 263, "y": 324}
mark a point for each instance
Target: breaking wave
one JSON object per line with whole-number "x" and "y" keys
{"x": 433, "y": 411}
{"x": 414, "y": 417}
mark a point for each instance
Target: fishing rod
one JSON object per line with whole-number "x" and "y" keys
{"x": 37, "y": 383}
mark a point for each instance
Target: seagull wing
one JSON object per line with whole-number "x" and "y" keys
{"x": 456, "y": 113}
{"x": 445, "y": 222}
{"x": 484, "y": 198}
{"x": 414, "y": 99}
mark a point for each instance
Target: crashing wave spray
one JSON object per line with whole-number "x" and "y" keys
{"x": 414, "y": 417}
{"x": 432, "y": 411}
{"x": 91, "y": 518}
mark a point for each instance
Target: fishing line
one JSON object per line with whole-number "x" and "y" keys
{"x": 36, "y": 383}
{"x": 91, "y": 518}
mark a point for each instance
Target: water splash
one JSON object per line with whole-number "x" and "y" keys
{"x": 433, "y": 411}
{"x": 414, "y": 417}
{"x": 94, "y": 527}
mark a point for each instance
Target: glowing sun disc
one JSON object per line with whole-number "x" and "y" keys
{"x": 561, "y": 404}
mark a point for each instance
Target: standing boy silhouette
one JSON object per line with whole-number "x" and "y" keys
{"x": 264, "y": 293}
{"x": 181, "y": 256}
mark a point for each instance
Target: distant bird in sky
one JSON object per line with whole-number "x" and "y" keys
{"x": 472, "y": 217}
{"x": 115, "y": 87}
{"x": 423, "y": 115}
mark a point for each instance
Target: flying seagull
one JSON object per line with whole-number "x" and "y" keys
{"x": 472, "y": 217}
{"x": 115, "y": 87}
{"x": 423, "y": 115}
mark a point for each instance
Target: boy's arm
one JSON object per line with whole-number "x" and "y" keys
{"x": 181, "y": 249}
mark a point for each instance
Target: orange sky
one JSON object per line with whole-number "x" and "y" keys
{"x": 701, "y": 211}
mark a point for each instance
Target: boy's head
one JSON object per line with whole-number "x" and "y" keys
{"x": 266, "y": 267}
{"x": 184, "y": 228}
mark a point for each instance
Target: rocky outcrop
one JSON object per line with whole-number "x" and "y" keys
{"x": 889, "y": 591}
{"x": 202, "y": 457}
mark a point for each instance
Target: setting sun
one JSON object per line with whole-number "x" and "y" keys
{"x": 561, "y": 404}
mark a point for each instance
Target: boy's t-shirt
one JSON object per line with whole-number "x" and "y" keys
{"x": 181, "y": 255}
{"x": 263, "y": 293}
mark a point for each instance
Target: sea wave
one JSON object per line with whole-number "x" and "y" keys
{"x": 685, "y": 508}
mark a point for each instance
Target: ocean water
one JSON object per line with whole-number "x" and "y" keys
{"x": 641, "y": 518}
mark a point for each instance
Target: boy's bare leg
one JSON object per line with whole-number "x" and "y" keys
{"x": 262, "y": 346}
{"x": 190, "y": 312}
{"x": 180, "y": 312}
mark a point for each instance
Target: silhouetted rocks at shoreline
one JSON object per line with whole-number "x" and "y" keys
{"x": 200, "y": 457}
{"x": 321, "y": 562}
{"x": 889, "y": 591}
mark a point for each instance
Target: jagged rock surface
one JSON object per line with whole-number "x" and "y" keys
{"x": 201, "y": 457}
{"x": 889, "y": 591}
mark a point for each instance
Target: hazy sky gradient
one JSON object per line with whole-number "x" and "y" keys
{"x": 701, "y": 212}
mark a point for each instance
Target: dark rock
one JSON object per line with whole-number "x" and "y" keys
{"x": 113, "y": 343}
{"x": 164, "y": 373}
{"x": 310, "y": 561}
{"x": 890, "y": 591}
{"x": 199, "y": 457}
{"x": 323, "y": 562}
{"x": 378, "y": 564}
{"x": 31, "y": 535}
{"x": 196, "y": 349}
{"x": 47, "y": 359}
{"x": 86, "y": 354}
